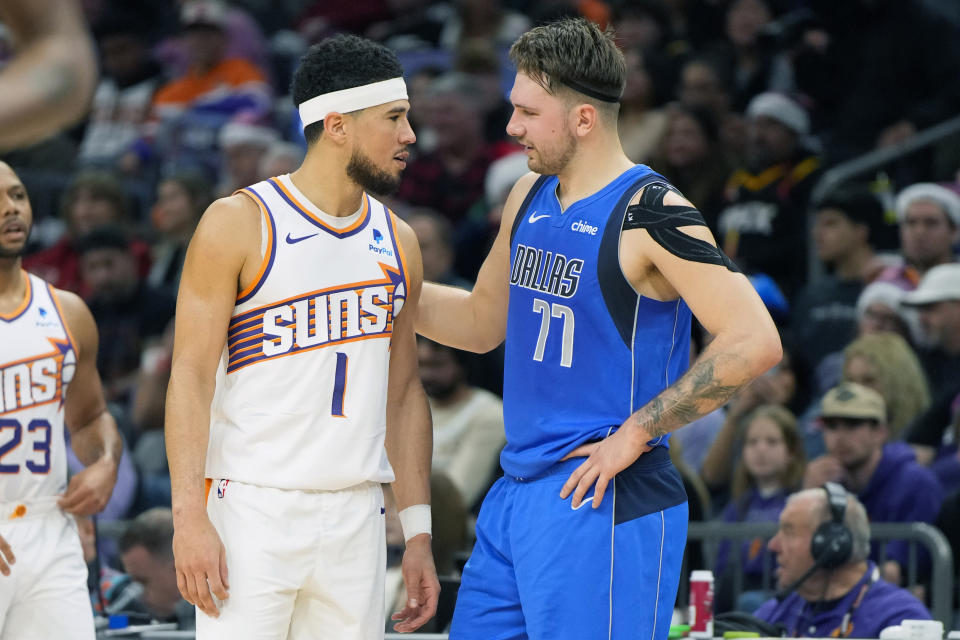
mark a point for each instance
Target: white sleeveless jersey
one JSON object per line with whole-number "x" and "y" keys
{"x": 301, "y": 393}
{"x": 37, "y": 363}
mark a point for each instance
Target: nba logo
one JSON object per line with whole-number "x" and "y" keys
{"x": 222, "y": 487}
{"x": 377, "y": 236}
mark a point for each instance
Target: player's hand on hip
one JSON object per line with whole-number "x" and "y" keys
{"x": 90, "y": 489}
{"x": 6, "y": 556}
{"x": 605, "y": 459}
{"x": 201, "y": 563}
{"x": 423, "y": 587}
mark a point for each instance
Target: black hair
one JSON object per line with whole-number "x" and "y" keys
{"x": 337, "y": 63}
{"x": 858, "y": 204}
{"x": 107, "y": 237}
{"x": 152, "y": 530}
{"x": 704, "y": 119}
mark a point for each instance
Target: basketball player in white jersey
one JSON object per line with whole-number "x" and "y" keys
{"x": 48, "y": 377}
{"x": 294, "y": 390}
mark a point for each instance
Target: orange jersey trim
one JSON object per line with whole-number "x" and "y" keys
{"x": 359, "y": 222}
{"x": 27, "y": 297}
{"x": 267, "y": 260}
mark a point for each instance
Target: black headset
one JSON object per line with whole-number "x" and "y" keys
{"x": 832, "y": 543}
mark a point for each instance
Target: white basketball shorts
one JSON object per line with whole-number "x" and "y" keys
{"x": 45, "y": 596}
{"x": 300, "y": 564}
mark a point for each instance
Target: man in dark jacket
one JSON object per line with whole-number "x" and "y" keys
{"x": 885, "y": 476}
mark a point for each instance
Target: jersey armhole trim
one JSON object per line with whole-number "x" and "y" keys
{"x": 267, "y": 263}
{"x": 63, "y": 319}
{"x": 521, "y": 212}
{"x": 401, "y": 254}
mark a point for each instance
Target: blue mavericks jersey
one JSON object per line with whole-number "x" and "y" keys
{"x": 583, "y": 349}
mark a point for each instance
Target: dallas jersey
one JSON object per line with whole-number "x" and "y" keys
{"x": 37, "y": 363}
{"x": 583, "y": 349}
{"x": 301, "y": 390}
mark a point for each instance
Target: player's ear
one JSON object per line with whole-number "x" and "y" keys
{"x": 586, "y": 118}
{"x": 335, "y": 127}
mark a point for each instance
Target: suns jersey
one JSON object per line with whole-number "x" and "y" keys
{"x": 583, "y": 349}
{"x": 301, "y": 390}
{"x": 37, "y": 362}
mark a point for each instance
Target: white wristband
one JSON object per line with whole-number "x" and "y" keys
{"x": 415, "y": 520}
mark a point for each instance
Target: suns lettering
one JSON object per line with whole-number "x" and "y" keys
{"x": 26, "y": 384}
{"x": 323, "y": 319}
{"x": 374, "y": 318}
{"x": 277, "y": 338}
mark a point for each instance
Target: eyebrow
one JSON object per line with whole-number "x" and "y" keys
{"x": 396, "y": 109}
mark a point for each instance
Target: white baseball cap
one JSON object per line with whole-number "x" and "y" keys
{"x": 939, "y": 284}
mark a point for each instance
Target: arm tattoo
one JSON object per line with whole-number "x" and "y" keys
{"x": 698, "y": 392}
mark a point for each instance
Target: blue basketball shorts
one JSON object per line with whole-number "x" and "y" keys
{"x": 542, "y": 570}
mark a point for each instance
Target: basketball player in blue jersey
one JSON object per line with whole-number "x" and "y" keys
{"x": 48, "y": 378}
{"x": 593, "y": 278}
{"x": 294, "y": 390}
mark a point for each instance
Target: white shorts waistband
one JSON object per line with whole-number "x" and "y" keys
{"x": 27, "y": 509}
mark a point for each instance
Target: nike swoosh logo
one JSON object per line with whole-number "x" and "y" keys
{"x": 534, "y": 218}
{"x": 300, "y": 239}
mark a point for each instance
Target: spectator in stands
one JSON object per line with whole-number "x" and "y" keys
{"x": 243, "y": 146}
{"x": 244, "y": 39}
{"x": 92, "y": 200}
{"x": 108, "y": 586}
{"x": 770, "y": 468}
{"x": 844, "y": 596}
{"x": 485, "y": 20}
{"x": 481, "y": 62}
{"x": 885, "y": 363}
{"x": 146, "y": 548}
{"x": 824, "y": 317}
{"x": 693, "y": 159}
{"x": 929, "y": 218}
{"x": 705, "y": 82}
{"x": 878, "y": 310}
{"x": 938, "y": 301}
{"x": 467, "y": 422}
{"x": 435, "y": 235}
{"x": 449, "y": 179}
{"x": 414, "y": 25}
{"x": 643, "y": 25}
{"x": 280, "y": 158}
{"x": 755, "y": 66}
{"x": 188, "y": 110}
{"x": 181, "y": 200}
{"x": 885, "y": 476}
{"x": 642, "y": 122}
{"x": 128, "y": 312}
{"x": 129, "y": 78}
{"x": 777, "y": 387}
{"x": 763, "y": 227}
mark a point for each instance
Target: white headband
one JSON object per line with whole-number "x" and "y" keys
{"x": 353, "y": 99}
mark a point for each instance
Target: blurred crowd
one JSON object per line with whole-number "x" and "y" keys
{"x": 742, "y": 104}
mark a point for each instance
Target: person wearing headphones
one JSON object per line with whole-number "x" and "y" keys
{"x": 827, "y": 586}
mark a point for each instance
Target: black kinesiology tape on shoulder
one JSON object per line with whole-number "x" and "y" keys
{"x": 662, "y": 222}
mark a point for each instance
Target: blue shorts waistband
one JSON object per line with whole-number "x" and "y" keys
{"x": 657, "y": 457}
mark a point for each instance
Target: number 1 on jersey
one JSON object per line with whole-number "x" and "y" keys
{"x": 548, "y": 311}
{"x": 339, "y": 385}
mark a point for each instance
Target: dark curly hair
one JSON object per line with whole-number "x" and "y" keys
{"x": 340, "y": 62}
